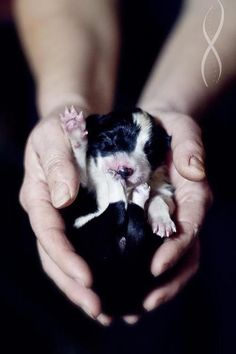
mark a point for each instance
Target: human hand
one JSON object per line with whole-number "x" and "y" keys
{"x": 192, "y": 195}
{"x": 51, "y": 182}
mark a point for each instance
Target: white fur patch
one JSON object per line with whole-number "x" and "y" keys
{"x": 144, "y": 135}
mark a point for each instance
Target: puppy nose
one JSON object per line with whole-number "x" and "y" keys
{"x": 125, "y": 172}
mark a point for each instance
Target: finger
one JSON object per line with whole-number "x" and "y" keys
{"x": 192, "y": 202}
{"x": 188, "y": 157}
{"x": 77, "y": 293}
{"x": 188, "y": 151}
{"x": 168, "y": 254}
{"x": 187, "y": 147}
{"x": 131, "y": 319}
{"x": 56, "y": 158}
{"x": 169, "y": 290}
{"x": 48, "y": 227}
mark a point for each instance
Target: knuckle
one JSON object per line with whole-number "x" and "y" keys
{"x": 54, "y": 164}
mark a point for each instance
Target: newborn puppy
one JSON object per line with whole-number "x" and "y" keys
{"x": 125, "y": 202}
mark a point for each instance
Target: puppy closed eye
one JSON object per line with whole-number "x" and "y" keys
{"x": 105, "y": 141}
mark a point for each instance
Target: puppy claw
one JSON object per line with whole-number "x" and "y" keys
{"x": 163, "y": 227}
{"x": 71, "y": 120}
{"x": 161, "y": 230}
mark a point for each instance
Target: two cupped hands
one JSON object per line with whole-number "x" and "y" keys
{"x": 51, "y": 182}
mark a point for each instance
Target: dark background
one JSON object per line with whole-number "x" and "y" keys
{"x": 34, "y": 316}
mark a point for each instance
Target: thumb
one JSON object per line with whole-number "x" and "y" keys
{"x": 188, "y": 150}
{"x": 62, "y": 178}
{"x": 57, "y": 161}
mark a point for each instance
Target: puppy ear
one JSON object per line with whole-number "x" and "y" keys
{"x": 92, "y": 123}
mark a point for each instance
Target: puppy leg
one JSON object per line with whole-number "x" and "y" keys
{"x": 161, "y": 205}
{"x": 74, "y": 126}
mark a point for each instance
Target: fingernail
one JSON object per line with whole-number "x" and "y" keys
{"x": 157, "y": 272}
{"x": 161, "y": 269}
{"x": 149, "y": 305}
{"x": 197, "y": 163}
{"x": 131, "y": 319}
{"x": 60, "y": 195}
{"x": 104, "y": 320}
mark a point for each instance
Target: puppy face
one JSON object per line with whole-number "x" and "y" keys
{"x": 128, "y": 144}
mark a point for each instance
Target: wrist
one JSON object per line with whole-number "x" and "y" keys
{"x": 163, "y": 110}
{"x": 52, "y": 106}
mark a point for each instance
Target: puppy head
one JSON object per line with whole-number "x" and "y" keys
{"x": 131, "y": 144}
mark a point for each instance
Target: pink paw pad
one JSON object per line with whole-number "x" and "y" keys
{"x": 72, "y": 121}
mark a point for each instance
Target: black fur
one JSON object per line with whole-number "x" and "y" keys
{"x": 116, "y": 132}
{"x": 157, "y": 146}
{"x": 111, "y": 133}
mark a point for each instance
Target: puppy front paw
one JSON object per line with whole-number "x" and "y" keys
{"x": 74, "y": 125}
{"x": 82, "y": 220}
{"x": 163, "y": 226}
